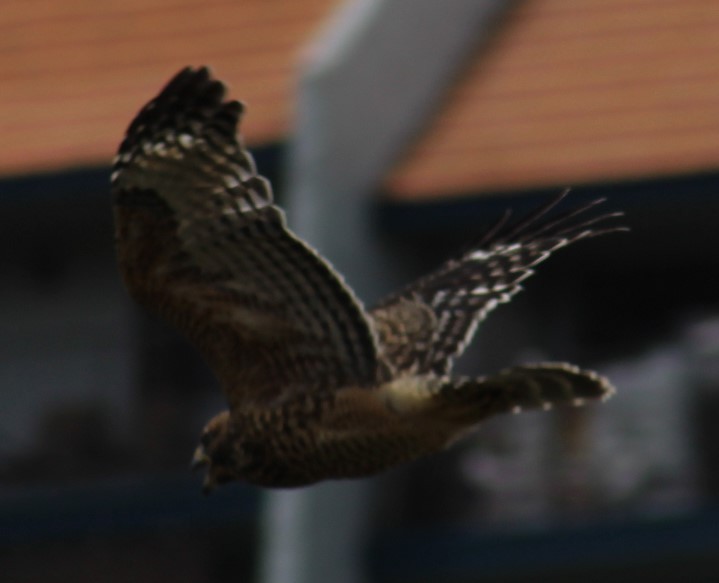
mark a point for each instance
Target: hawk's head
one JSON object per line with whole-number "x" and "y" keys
{"x": 218, "y": 452}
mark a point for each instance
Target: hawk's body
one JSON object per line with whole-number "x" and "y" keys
{"x": 318, "y": 388}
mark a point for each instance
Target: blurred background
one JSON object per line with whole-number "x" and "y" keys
{"x": 394, "y": 132}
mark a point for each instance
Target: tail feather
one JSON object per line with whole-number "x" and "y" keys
{"x": 526, "y": 387}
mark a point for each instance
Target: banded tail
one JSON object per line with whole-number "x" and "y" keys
{"x": 526, "y": 387}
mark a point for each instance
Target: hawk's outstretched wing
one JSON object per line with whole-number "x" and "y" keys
{"x": 200, "y": 241}
{"x": 425, "y": 326}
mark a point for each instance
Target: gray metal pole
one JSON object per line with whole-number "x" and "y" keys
{"x": 372, "y": 80}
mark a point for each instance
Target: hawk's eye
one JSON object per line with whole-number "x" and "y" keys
{"x": 205, "y": 439}
{"x": 222, "y": 454}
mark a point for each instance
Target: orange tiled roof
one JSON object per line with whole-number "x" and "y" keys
{"x": 575, "y": 91}
{"x": 74, "y": 72}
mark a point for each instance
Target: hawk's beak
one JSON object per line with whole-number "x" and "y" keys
{"x": 200, "y": 459}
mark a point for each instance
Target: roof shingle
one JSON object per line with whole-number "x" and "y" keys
{"x": 75, "y": 72}
{"x": 572, "y": 92}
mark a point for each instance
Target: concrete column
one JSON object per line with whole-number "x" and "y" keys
{"x": 370, "y": 83}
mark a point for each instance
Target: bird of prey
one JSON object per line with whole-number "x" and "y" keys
{"x": 318, "y": 387}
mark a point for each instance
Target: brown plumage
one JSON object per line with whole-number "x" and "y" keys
{"x": 318, "y": 388}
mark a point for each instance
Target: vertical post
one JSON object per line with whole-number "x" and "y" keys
{"x": 372, "y": 81}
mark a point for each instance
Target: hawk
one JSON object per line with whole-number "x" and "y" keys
{"x": 318, "y": 387}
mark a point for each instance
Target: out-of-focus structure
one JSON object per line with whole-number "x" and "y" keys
{"x": 393, "y": 131}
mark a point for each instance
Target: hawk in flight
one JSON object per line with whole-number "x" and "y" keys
{"x": 318, "y": 387}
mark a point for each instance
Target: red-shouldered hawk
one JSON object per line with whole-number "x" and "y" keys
{"x": 318, "y": 388}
